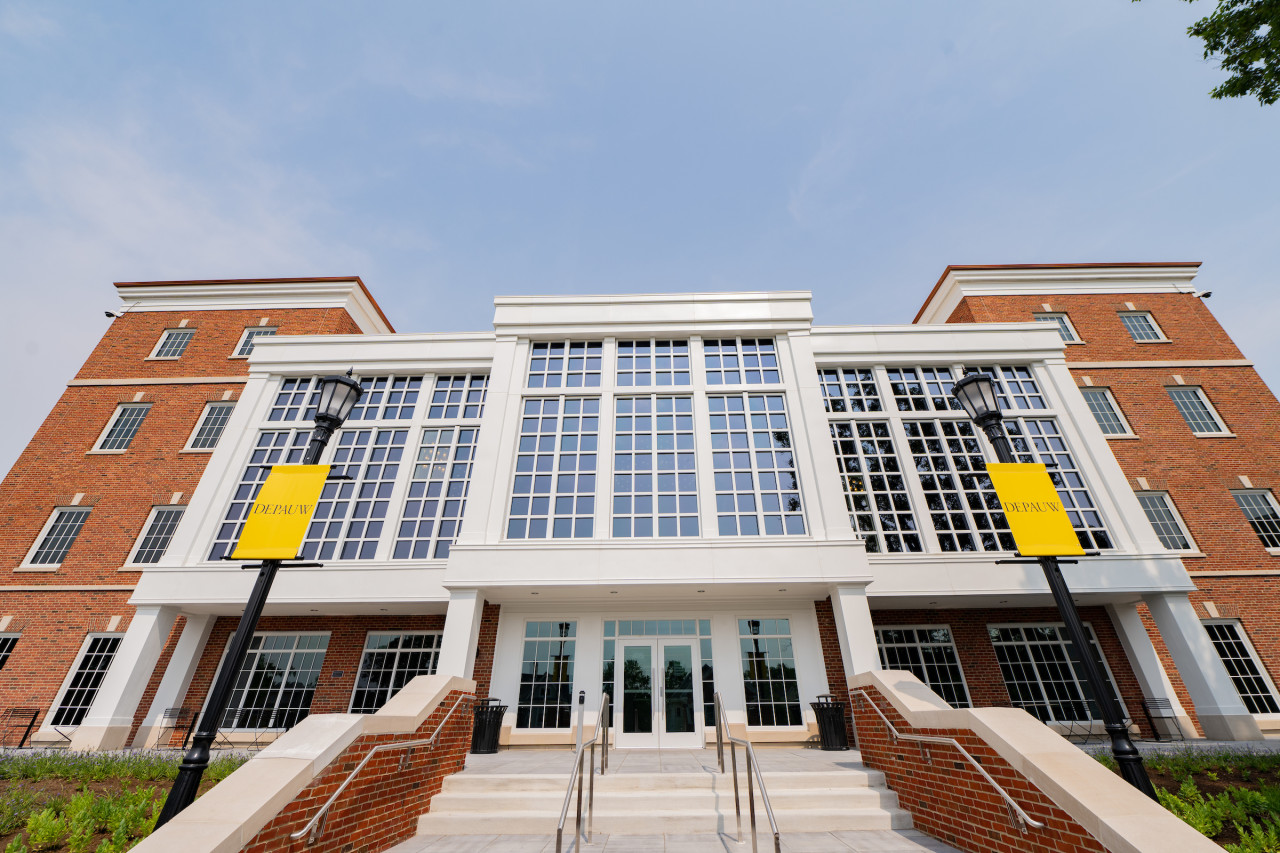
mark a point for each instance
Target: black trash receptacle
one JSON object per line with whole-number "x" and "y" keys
{"x": 831, "y": 729}
{"x": 488, "y": 725}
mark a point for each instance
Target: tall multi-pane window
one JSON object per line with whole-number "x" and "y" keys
{"x": 922, "y": 389}
{"x": 565, "y": 364}
{"x": 274, "y": 447}
{"x": 769, "y": 672}
{"x": 849, "y": 389}
{"x": 59, "y": 535}
{"x": 929, "y": 653}
{"x": 391, "y": 398}
{"x": 1141, "y": 326}
{"x": 1105, "y": 411}
{"x": 1164, "y": 518}
{"x": 1260, "y": 508}
{"x": 653, "y": 363}
{"x": 1040, "y": 440}
{"x": 1065, "y": 330}
{"x": 553, "y": 494}
{"x": 1040, "y": 675}
{"x": 274, "y": 688}
{"x": 655, "y": 483}
{"x": 437, "y": 493}
{"x": 296, "y": 399}
{"x": 212, "y": 423}
{"x": 83, "y": 687}
{"x": 249, "y": 337}
{"x": 875, "y": 488}
{"x": 124, "y": 426}
{"x": 1251, "y": 682}
{"x": 158, "y": 533}
{"x": 741, "y": 361}
{"x": 755, "y": 471}
{"x": 7, "y": 642}
{"x": 350, "y": 514}
{"x": 460, "y": 396}
{"x": 389, "y": 662}
{"x": 959, "y": 497}
{"x": 1196, "y": 410}
{"x": 173, "y": 343}
{"x": 545, "y": 699}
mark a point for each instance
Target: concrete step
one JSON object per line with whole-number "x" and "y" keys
{"x": 778, "y": 780}
{"x": 663, "y": 821}
{"x": 721, "y": 798}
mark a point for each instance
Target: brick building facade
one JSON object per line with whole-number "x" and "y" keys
{"x": 116, "y": 616}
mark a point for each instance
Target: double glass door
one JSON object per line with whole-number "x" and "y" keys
{"x": 658, "y": 705}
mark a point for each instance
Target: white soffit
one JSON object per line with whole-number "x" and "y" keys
{"x": 960, "y": 282}
{"x": 653, "y": 313}
{"x": 973, "y": 343}
{"x": 265, "y": 295}
{"x": 434, "y": 352}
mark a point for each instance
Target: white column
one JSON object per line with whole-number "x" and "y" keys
{"x": 1218, "y": 707}
{"x": 461, "y": 633}
{"x": 853, "y": 626}
{"x": 107, "y": 723}
{"x": 177, "y": 677}
{"x": 1146, "y": 664}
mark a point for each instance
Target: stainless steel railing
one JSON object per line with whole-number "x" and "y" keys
{"x": 315, "y": 826}
{"x": 576, "y": 774}
{"x": 753, "y": 770}
{"x": 1017, "y": 816}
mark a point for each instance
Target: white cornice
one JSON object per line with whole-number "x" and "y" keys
{"x": 1053, "y": 281}
{"x": 434, "y": 352}
{"x": 967, "y": 342}
{"x": 348, "y": 294}
{"x": 654, "y": 313}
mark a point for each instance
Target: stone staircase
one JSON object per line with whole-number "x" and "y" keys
{"x": 647, "y": 803}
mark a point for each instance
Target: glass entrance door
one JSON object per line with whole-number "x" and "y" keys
{"x": 659, "y": 707}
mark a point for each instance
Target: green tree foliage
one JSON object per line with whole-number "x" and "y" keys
{"x": 1244, "y": 36}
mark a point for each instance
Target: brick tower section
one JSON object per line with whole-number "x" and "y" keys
{"x": 1236, "y": 576}
{"x": 54, "y": 608}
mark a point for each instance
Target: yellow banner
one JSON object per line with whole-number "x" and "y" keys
{"x": 278, "y": 519}
{"x": 1037, "y": 519}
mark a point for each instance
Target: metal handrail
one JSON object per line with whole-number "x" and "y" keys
{"x": 1017, "y": 816}
{"x": 575, "y": 774}
{"x": 315, "y": 826}
{"x": 753, "y": 766}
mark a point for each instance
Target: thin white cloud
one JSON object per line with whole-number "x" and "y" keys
{"x": 27, "y": 25}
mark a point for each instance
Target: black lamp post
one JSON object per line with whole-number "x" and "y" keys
{"x": 976, "y": 393}
{"x": 338, "y": 394}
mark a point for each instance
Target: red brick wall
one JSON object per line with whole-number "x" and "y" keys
{"x": 341, "y": 660}
{"x": 950, "y": 800}
{"x": 382, "y": 805}
{"x": 485, "y": 646}
{"x": 831, "y": 656}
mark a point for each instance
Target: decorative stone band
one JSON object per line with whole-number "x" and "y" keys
{"x": 280, "y": 789}
{"x": 1083, "y": 805}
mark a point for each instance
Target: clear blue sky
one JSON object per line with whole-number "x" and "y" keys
{"x": 451, "y": 152}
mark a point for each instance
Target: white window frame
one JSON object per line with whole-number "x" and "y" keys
{"x": 1225, "y": 432}
{"x": 204, "y": 703}
{"x": 1177, "y": 517}
{"x": 964, "y": 681}
{"x": 1243, "y": 635}
{"x": 27, "y": 565}
{"x": 204, "y": 415}
{"x": 1090, "y": 635}
{"x": 1115, "y": 407}
{"x": 1163, "y": 339}
{"x": 146, "y": 527}
{"x": 121, "y": 408}
{"x": 47, "y": 724}
{"x": 524, "y": 638}
{"x": 1054, "y": 317}
{"x": 364, "y": 649}
{"x": 235, "y": 353}
{"x": 1271, "y": 499}
{"x": 160, "y": 343}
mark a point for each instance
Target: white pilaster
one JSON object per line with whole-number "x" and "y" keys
{"x": 177, "y": 677}
{"x": 1146, "y": 664}
{"x": 107, "y": 724}
{"x": 461, "y": 633}
{"x": 1218, "y": 707}
{"x": 853, "y": 626}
